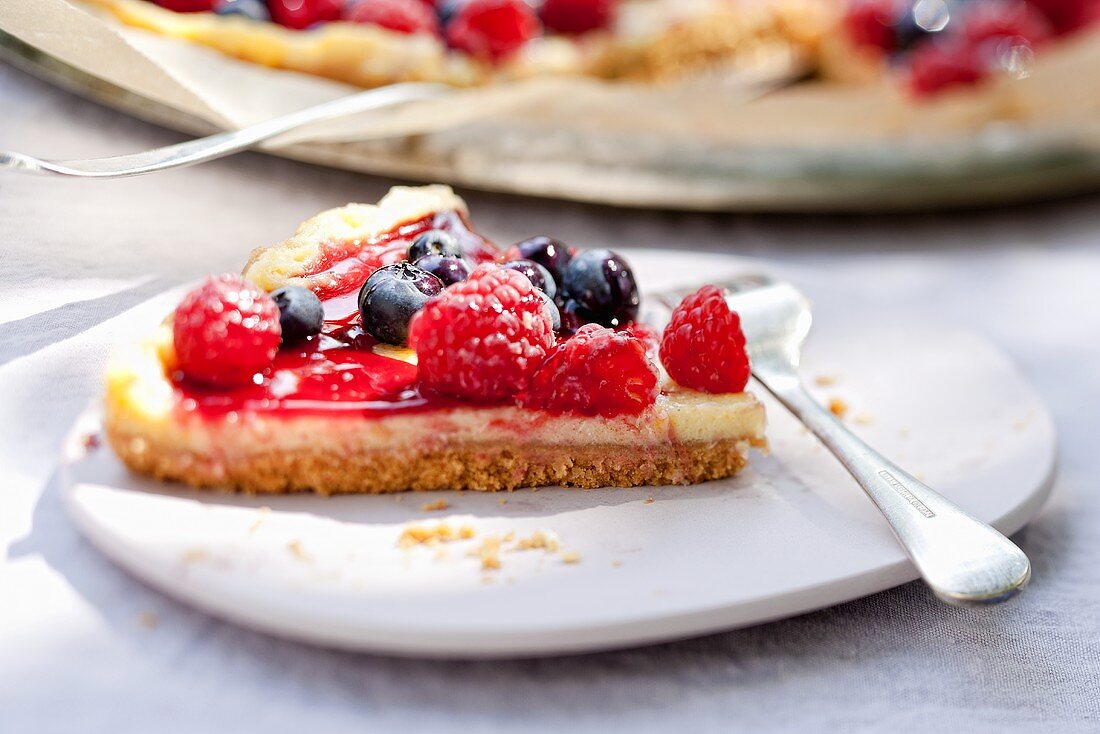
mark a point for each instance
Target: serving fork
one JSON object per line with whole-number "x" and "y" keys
{"x": 965, "y": 561}
{"x": 200, "y": 150}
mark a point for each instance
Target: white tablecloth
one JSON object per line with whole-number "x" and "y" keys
{"x": 83, "y": 647}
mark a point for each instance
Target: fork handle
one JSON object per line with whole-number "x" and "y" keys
{"x": 963, "y": 560}
{"x": 219, "y": 145}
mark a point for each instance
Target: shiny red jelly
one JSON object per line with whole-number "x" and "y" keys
{"x": 339, "y": 372}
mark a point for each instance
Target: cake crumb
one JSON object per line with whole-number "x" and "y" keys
{"x": 261, "y": 517}
{"x": 432, "y": 535}
{"x": 571, "y": 557}
{"x": 616, "y": 563}
{"x": 825, "y": 380}
{"x": 838, "y": 407}
{"x": 148, "y": 620}
{"x": 545, "y": 539}
{"x": 502, "y": 501}
{"x": 489, "y": 553}
{"x": 864, "y": 419}
{"x": 194, "y": 555}
{"x": 647, "y": 501}
{"x": 435, "y": 505}
{"x": 509, "y": 536}
{"x": 904, "y": 432}
{"x": 298, "y": 551}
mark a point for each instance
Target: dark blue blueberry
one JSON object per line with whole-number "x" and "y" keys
{"x": 602, "y": 287}
{"x": 301, "y": 314}
{"x": 254, "y": 9}
{"x": 547, "y": 252}
{"x": 538, "y": 275}
{"x": 390, "y": 298}
{"x": 447, "y": 268}
{"x": 447, "y": 10}
{"x": 555, "y": 314}
{"x": 569, "y": 320}
{"x": 434, "y": 242}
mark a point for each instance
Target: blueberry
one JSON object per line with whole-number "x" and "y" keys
{"x": 434, "y": 242}
{"x": 301, "y": 314}
{"x": 538, "y": 275}
{"x": 447, "y": 10}
{"x": 568, "y": 320}
{"x": 254, "y": 9}
{"x": 602, "y": 287}
{"x": 447, "y": 268}
{"x": 390, "y": 298}
{"x": 555, "y": 314}
{"x": 547, "y": 252}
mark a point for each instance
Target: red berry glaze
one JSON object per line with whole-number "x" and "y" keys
{"x": 942, "y": 63}
{"x": 300, "y": 14}
{"x": 492, "y": 29}
{"x": 402, "y": 16}
{"x": 483, "y": 338}
{"x": 702, "y": 347}
{"x": 187, "y": 6}
{"x": 577, "y": 16}
{"x": 225, "y": 331}
{"x": 871, "y": 23}
{"x": 988, "y": 21}
{"x": 596, "y": 372}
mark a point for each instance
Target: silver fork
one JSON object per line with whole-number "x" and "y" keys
{"x": 222, "y": 144}
{"x": 963, "y": 560}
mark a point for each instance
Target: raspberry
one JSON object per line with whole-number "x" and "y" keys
{"x": 492, "y": 29}
{"x": 1010, "y": 19}
{"x": 301, "y": 14}
{"x": 872, "y": 23}
{"x": 703, "y": 347}
{"x": 225, "y": 331}
{"x": 942, "y": 63}
{"x": 402, "y": 16}
{"x": 482, "y": 338}
{"x": 596, "y": 372}
{"x": 644, "y": 333}
{"x": 577, "y": 16}
{"x": 187, "y": 6}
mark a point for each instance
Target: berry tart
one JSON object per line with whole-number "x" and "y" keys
{"x": 392, "y": 347}
{"x": 927, "y": 45}
{"x": 470, "y": 42}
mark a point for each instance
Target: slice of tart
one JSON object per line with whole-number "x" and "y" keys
{"x": 524, "y": 369}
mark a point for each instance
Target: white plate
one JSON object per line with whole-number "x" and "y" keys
{"x": 791, "y": 534}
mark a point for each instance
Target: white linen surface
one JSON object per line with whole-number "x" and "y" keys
{"x": 78, "y": 647}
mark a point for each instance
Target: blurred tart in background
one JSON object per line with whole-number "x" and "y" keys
{"x": 928, "y": 45}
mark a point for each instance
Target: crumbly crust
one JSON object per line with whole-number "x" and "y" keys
{"x": 482, "y": 467}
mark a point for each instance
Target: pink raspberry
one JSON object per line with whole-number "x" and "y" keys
{"x": 402, "y": 16}
{"x": 703, "y": 347}
{"x": 481, "y": 339}
{"x": 596, "y": 372}
{"x": 493, "y": 29}
{"x": 577, "y": 16}
{"x": 225, "y": 331}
